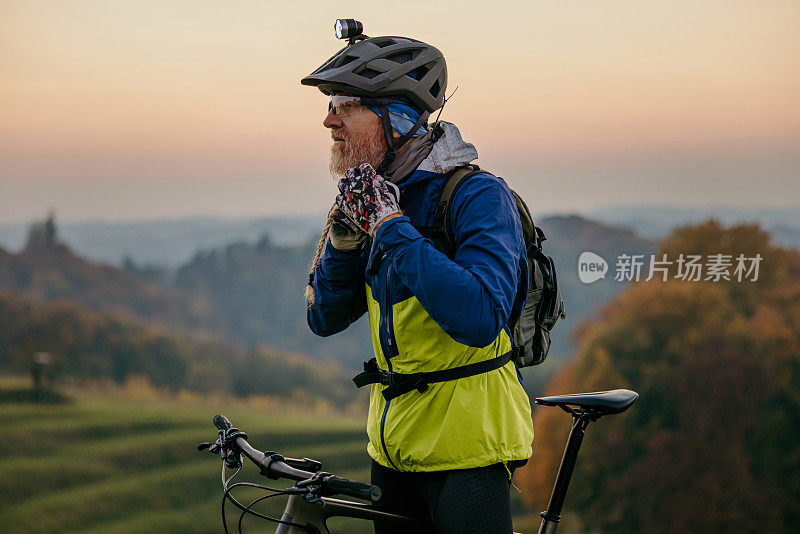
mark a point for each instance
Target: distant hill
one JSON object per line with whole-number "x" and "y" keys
{"x": 256, "y": 294}
{"x": 569, "y": 236}
{"x": 91, "y": 345}
{"x": 46, "y": 270}
{"x": 167, "y": 243}
{"x": 172, "y": 242}
{"x": 250, "y": 293}
{"x": 655, "y": 222}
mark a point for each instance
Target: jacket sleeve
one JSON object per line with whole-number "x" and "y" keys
{"x": 471, "y": 296}
{"x": 340, "y": 295}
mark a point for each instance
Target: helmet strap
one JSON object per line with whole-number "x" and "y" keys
{"x": 423, "y": 119}
{"x": 393, "y": 146}
{"x": 391, "y": 152}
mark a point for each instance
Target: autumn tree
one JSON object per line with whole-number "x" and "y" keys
{"x": 713, "y": 444}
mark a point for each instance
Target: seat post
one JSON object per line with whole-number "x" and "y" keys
{"x": 551, "y": 516}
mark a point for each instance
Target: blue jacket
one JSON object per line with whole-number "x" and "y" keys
{"x": 428, "y": 312}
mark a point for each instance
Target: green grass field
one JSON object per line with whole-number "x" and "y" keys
{"x": 109, "y": 465}
{"x": 117, "y": 466}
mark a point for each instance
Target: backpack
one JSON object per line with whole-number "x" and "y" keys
{"x": 530, "y": 334}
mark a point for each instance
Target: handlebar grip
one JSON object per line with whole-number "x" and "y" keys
{"x": 221, "y": 422}
{"x": 358, "y": 490}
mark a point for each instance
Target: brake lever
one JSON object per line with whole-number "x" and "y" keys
{"x": 226, "y": 447}
{"x": 212, "y": 447}
{"x": 313, "y": 487}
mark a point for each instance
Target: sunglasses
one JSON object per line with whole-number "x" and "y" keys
{"x": 343, "y": 105}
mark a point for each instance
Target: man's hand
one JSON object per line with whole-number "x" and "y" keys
{"x": 345, "y": 235}
{"x": 366, "y": 198}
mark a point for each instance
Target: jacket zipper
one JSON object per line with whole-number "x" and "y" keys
{"x": 383, "y": 426}
{"x": 387, "y": 355}
{"x": 386, "y": 328}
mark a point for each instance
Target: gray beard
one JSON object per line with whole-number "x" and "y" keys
{"x": 371, "y": 149}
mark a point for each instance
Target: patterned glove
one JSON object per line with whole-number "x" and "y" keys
{"x": 366, "y": 198}
{"x": 344, "y": 234}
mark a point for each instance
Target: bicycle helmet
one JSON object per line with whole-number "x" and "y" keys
{"x": 385, "y": 66}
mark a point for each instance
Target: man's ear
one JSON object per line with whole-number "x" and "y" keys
{"x": 396, "y": 134}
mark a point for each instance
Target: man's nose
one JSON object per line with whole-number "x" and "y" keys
{"x": 332, "y": 121}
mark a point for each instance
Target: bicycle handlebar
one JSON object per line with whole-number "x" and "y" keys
{"x": 359, "y": 490}
{"x": 274, "y": 466}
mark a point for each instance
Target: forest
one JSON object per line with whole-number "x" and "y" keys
{"x": 713, "y": 443}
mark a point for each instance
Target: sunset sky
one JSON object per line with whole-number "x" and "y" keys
{"x": 143, "y": 109}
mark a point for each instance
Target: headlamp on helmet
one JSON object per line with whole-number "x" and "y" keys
{"x": 349, "y": 29}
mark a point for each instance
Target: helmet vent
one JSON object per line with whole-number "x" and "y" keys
{"x": 435, "y": 89}
{"x": 404, "y": 56}
{"x": 346, "y": 60}
{"x": 369, "y": 73}
{"x": 385, "y": 43}
{"x": 418, "y": 73}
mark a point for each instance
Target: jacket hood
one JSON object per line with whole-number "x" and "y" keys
{"x": 425, "y": 157}
{"x": 449, "y": 152}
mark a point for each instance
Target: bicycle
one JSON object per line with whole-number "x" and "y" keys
{"x": 311, "y": 503}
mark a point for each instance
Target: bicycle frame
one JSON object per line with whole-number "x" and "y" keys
{"x": 313, "y": 515}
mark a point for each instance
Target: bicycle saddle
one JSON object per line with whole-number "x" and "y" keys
{"x": 600, "y": 402}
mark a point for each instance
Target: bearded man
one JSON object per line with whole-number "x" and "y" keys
{"x": 448, "y": 417}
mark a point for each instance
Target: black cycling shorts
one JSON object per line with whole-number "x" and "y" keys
{"x": 446, "y": 502}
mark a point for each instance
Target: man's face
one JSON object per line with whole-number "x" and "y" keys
{"x": 357, "y": 136}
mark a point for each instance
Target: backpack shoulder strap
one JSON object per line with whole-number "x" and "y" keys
{"x": 530, "y": 232}
{"x": 442, "y": 232}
